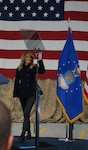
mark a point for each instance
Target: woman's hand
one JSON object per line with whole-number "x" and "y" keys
{"x": 40, "y": 56}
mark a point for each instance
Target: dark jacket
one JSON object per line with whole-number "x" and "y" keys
{"x": 25, "y": 81}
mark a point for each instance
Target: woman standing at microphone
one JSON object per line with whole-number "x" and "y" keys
{"x": 25, "y": 87}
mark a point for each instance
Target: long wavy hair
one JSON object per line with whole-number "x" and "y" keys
{"x": 20, "y": 66}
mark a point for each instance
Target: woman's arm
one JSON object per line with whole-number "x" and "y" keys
{"x": 41, "y": 67}
{"x": 16, "y": 84}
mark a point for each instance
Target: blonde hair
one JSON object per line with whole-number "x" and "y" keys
{"x": 20, "y": 66}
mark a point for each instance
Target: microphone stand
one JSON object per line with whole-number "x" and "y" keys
{"x": 37, "y": 102}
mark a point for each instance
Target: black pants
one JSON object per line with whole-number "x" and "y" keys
{"x": 27, "y": 104}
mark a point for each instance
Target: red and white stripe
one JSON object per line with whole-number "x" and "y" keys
{"x": 85, "y": 91}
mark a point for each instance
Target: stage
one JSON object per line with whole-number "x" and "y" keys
{"x": 52, "y": 137}
{"x": 50, "y": 143}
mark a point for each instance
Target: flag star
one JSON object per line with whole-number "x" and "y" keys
{"x": 74, "y": 62}
{"x": 10, "y": 14}
{"x": 52, "y": 8}
{"x": 57, "y": 15}
{"x": 28, "y": 8}
{"x": 34, "y": 14}
{"x": 66, "y": 91}
{"x": 5, "y": 7}
{"x": 59, "y": 68}
{"x": 71, "y": 91}
{"x": 68, "y": 62}
{"x": 63, "y": 64}
{"x": 80, "y": 85}
{"x": 46, "y": 1}
{"x": 45, "y": 14}
{"x": 22, "y": 14}
{"x": 1, "y": 1}
{"x": 34, "y": 1}
{"x": 11, "y": 1}
{"x": 23, "y": 1}
{"x": 17, "y": 8}
{"x": 76, "y": 89}
{"x": 40, "y": 7}
{"x": 58, "y": 1}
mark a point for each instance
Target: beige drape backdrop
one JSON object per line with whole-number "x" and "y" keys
{"x": 50, "y": 110}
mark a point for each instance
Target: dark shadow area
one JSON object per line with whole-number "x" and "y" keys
{"x": 50, "y": 144}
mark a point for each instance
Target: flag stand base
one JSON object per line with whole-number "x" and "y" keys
{"x": 69, "y": 137}
{"x": 67, "y": 140}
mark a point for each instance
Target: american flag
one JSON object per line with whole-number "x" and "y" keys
{"x": 50, "y": 19}
{"x": 85, "y": 90}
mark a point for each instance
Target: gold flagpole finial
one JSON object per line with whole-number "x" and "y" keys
{"x": 69, "y": 22}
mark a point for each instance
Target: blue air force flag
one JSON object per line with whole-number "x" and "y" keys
{"x": 68, "y": 90}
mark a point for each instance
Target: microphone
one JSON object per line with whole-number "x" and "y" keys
{"x": 37, "y": 50}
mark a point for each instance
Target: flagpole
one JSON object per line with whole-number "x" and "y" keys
{"x": 70, "y": 131}
{"x": 70, "y": 124}
{"x": 69, "y": 22}
{"x": 66, "y": 139}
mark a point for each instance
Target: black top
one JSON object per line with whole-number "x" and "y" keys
{"x": 25, "y": 81}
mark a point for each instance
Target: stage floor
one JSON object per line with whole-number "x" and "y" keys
{"x": 80, "y": 130}
{"x": 52, "y": 137}
{"x": 50, "y": 143}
